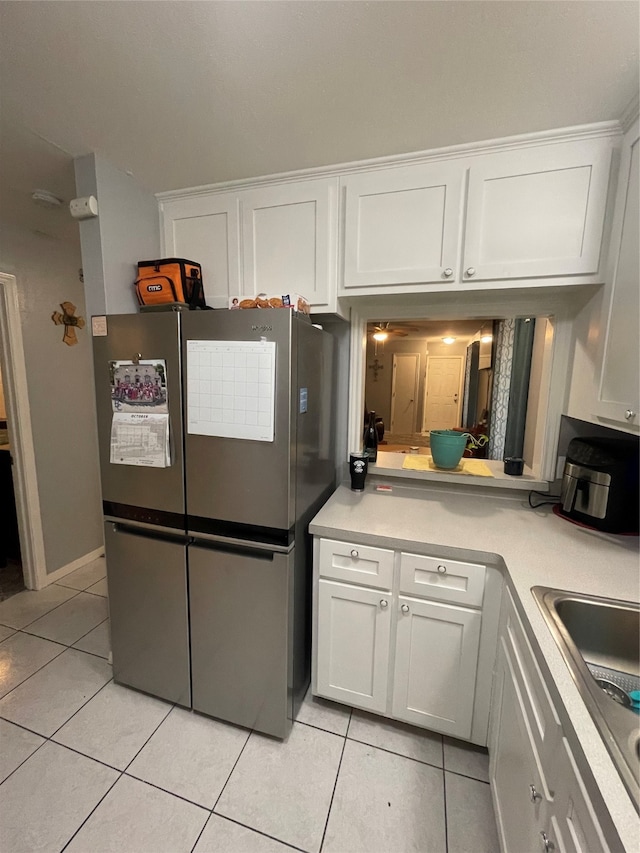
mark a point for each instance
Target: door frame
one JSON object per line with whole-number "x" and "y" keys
{"x": 416, "y": 385}
{"x": 25, "y": 481}
{"x": 431, "y": 358}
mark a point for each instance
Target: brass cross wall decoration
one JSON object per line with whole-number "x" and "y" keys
{"x": 376, "y": 366}
{"x": 70, "y": 322}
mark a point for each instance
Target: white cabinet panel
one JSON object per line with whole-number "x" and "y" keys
{"x": 353, "y": 645}
{"x": 355, "y": 563}
{"x": 401, "y": 224}
{"x": 515, "y": 783}
{"x": 206, "y": 229}
{"x": 536, "y": 212}
{"x": 576, "y": 821}
{"x": 619, "y": 397}
{"x": 444, "y": 580}
{"x": 289, "y": 239}
{"x": 435, "y": 666}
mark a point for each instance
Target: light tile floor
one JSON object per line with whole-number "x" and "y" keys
{"x": 88, "y": 766}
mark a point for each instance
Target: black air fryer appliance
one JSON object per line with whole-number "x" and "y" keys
{"x": 600, "y": 484}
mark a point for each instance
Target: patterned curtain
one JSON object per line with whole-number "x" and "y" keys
{"x": 503, "y": 343}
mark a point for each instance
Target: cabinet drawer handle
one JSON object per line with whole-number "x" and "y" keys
{"x": 471, "y": 271}
{"x": 547, "y": 843}
{"x": 629, "y": 414}
{"x": 384, "y": 603}
{"x": 534, "y": 795}
{"x": 447, "y": 273}
{"x": 354, "y": 553}
{"x": 405, "y": 608}
{"x": 442, "y": 569}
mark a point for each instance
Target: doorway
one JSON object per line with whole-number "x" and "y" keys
{"x": 404, "y": 392}
{"x": 20, "y": 455}
{"x": 443, "y": 392}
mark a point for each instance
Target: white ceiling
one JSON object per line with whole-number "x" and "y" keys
{"x": 184, "y": 93}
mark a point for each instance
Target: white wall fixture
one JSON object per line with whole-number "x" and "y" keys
{"x": 84, "y": 208}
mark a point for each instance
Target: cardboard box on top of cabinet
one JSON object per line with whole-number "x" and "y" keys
{"x": 262, "y": 300}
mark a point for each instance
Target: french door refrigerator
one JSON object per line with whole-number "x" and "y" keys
{"x": 208, "y": 558}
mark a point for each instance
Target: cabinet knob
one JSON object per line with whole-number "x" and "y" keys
{"x": 354, "y": 553}
{"x": 547, "y": 843}
{"x": 442, "y": 569}
{"x": 447, "y": 273}
{"x": 470, "y": 271}
{"x": 629, "y": 414}
{"x": 534, "y": 795}
{"x": 384, "y": 603}
{"x": 405, "y": 608}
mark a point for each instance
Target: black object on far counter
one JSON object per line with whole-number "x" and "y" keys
{"x": 371, "y": 438}
{"x": 358, "y": 464}
{"x": 514, "y": 466}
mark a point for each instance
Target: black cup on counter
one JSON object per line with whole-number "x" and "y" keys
{"x": 514, "y": 466}
{"x": 358, "y": 465}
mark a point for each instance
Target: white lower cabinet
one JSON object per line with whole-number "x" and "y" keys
{"x": 435, "y": 665}
{"x": 539, "y": 794}
{"x": 407, "y": 657}
{"x": 353, "y": 645}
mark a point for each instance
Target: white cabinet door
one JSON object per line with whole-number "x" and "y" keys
{"x": 618, "y": 398}
{"x": 577, "y": 826}
{"x": 435, "y": 667}
{"x": 289, "y": 234}
{"x": 401, "y": 224}
{"x": 206, "y": 229}
{"x": 519, "y": 805}
{"x": 353, "y": 645}
{"x": 537, "y": 212}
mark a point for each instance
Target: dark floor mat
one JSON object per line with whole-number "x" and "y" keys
{"x": 11, "y": 579}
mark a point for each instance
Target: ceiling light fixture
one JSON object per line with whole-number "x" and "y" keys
{"x": 44, "y": 198}
{"x": 380, "y": 336}
{"x": 448, "y": 340}
{"x": 486, "y": 339}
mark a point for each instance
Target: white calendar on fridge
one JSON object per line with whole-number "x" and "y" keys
{"x": 231, "y": 389}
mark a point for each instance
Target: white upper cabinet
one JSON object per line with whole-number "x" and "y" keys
{"x": 536, "y": 212}
{"x": 289, "y": 240}
{"x": 205, "y": 229}
{"x": 401, "y": 224}
{"x": 618, "y": 397}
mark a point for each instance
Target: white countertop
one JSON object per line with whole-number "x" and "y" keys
{"x": 538, "y": 549}
{"x": 389, "y": 464}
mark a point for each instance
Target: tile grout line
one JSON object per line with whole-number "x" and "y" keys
{"x": 122, "y": 772}
{"x": 335, "y": 784}
{"x": 97, "y": 805}
{"x": 252, "y": 829}
{"x": 444, "y": 803}
{"x": 46, "y": 613}
{"x": 20, "y": 683}
{"x": 235, "y": 763}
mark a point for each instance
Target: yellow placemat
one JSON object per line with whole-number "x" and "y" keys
{"x": 475, "y": 467}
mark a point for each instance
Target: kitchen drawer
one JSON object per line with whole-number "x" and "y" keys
{"x": 444, "y": 580}
{"x": 355, "y": 563}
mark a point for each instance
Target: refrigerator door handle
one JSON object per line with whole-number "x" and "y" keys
{"x": 129, "y": 526}
{"x": 244, "y": 543}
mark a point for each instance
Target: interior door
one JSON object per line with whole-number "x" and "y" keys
{"x": 443, "y": 392}
{"x": 404, "y": 392}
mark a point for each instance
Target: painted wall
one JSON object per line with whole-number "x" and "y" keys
{"x": 3, "y": 408}
{"x": 60, "y": 389}
{"x": 125, "y": 231}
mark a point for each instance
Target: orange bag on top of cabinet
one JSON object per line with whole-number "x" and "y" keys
{"x": 168, "y": 281}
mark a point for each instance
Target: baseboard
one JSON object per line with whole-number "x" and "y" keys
{"x": 76, "y": 564}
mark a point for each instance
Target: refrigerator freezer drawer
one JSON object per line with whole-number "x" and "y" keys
{"x": 147, "y": 578}
{"x": 240, "y": 636}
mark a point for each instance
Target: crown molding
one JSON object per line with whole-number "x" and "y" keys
{"x": 630, "y": 113}
{"x": 577, "y": 133}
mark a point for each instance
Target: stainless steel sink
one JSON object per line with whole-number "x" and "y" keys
{"x": 600, "y": 641}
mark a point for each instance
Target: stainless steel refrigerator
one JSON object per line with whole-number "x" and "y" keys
{"x": 208, "y": 554}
